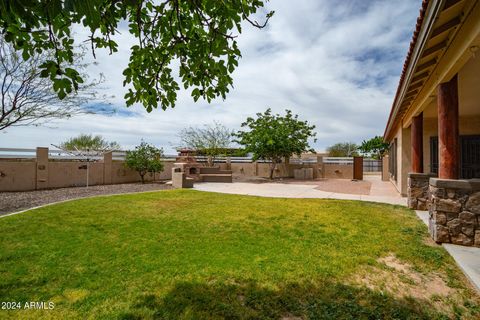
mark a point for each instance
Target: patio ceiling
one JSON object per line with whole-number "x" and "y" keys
{"x": 437, "y": 28}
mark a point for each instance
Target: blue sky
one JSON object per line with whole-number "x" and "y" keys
{"x": 335, "y": 63}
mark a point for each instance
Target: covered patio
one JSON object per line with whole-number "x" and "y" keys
{"x": 434, "y": 124}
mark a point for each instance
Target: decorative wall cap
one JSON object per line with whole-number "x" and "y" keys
{"x": 471, "y": 184}
{"x": 420, "y": 175}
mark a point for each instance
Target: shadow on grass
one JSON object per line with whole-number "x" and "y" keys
{"x": 293, "y": 301}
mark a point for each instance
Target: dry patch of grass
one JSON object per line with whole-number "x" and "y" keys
{"x": 400, "y": 279}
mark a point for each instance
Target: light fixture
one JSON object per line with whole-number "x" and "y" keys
{"x": 473, "y": 50}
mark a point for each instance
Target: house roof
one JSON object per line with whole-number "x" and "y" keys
{"x": 406, "y": 63}
{"x": 436, "y": 27}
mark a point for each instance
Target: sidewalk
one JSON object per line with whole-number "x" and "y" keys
{"x": 467, "y": 258}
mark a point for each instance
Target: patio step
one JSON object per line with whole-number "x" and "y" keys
{"x": 216, "y": 177}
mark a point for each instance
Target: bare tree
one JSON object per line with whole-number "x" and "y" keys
{"x": 210, "y": 140}
{"x": 27, "y": 98}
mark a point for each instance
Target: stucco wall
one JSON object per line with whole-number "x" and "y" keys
{"x": 69, "y": 174}
{"x": 23, "y": 175}
{"x": 338, "y": 171}
{"x": 403, "y": 159}
{"x": 17, "y": 176}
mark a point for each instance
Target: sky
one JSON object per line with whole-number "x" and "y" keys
{"x": 334, "y": 63}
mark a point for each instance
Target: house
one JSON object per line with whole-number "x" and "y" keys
{"x": 434, "y": 124}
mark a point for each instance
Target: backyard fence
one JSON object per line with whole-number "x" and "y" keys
{"x": 372, "y": 165}
{"x": 41, "y": 168}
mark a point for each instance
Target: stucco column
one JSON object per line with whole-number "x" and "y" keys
{"x": 448, "y": 135}
{"x": 417, "y": 143}
{"x": 42, "y": 168}
{"x": 228, "y": 162}
{"x": 107, "y": 167}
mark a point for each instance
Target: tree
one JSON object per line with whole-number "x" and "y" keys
{"x": 196, "y": 37}
{"x": 274, "y": 137}
{"x": 343, "y": 149}
{"x": 28, "y": 99}
{"x": 145, "y": 158}
{"x": 85, "y": 142}
{"x": 210, "y": 140}
{"x": 375, "y": 147}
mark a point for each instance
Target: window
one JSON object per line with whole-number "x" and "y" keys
{"x": 469, "y": 156}
{"x": 434, "y": 155}
{"x": 392, "y": 159}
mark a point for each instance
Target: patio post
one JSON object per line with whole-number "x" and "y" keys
{"x": 417, "y": 143}
{"x": 448, "y": 130}
{"x": 41, "y": 168}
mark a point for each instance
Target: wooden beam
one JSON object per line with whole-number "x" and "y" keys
{"x": 416, "y": 85}
{"x": 448, "y": 130}
{"x": 427, "y": 64}
{"x": 450, "y": 3}
{"x": 411, "y": 94}
{"x": 446, "y": 26}
{"x": 420, "y": 76}
{"x": 434, "y": 49}
{"x": 417, "y": 143}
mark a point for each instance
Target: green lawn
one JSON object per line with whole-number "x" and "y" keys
{"x": 191, "y": 255}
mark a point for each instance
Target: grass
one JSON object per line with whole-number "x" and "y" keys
{"x": 190, "y": 255}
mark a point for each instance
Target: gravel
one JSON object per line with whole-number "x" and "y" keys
{"x": 17, "y": 201}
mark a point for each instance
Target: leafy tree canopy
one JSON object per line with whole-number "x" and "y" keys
{"x": 195, "y": 37}
{"x": 343, "y": 149}
{"x": 85, "y": 142}
{"x": 275, "y": 137}
{"x": 375, "y": 147}
{"x": 145, "y": 158}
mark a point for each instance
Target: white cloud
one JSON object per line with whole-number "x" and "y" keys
{"x": 335, "y": 63}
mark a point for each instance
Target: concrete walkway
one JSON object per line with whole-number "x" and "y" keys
{"x": 467, "y": 258}
{"x": 380, "y": 191}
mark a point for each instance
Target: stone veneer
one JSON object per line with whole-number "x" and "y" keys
{"x": 418, "y": 190}
{"x": 454, "y": 214}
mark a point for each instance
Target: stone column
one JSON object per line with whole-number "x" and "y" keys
{"x": 107, "y": 167}
{"x": 42, "y": 168}
{"x": 418, "y": 190}
{"x": 455, "y": 211}
{"x": 417, "y": 143}
{"x": 448, "y": 135}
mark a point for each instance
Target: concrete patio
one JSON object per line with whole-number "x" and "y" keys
{"x": 380, "y": 191}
